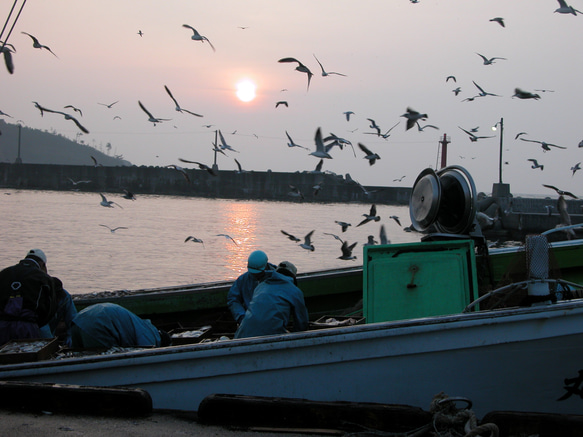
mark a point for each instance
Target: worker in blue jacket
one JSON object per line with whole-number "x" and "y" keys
{"x": 241, "y": 292}
{"x": 105, "y": 325}
{"x": 275, "y": 301}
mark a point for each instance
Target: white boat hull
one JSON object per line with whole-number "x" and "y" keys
{"x": 501, "y": 360}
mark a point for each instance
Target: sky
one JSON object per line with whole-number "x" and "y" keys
{"x": 394, "y": 54}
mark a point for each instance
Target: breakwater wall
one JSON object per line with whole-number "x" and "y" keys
{"x": 299, "y": 186}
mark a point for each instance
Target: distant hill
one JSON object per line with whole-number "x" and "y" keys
{"x": 42, "y": 147}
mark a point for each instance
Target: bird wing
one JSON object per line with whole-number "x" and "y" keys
{"x": 323, "y": 72}
{"x": 478, "y": 86}
{"x": 289, "y": 60}
{"x": 171, "y": 96}
{"x": 79, "y": 125}
{"x": 468, "y": 132}
{"x": 191, "y": 28}
{"x": 530, "y": 141}
{"x": 238, "y": 165}
{"x": 308, "y": 237}
{"x": 145, "y": 110}
{"x": 373, "y": 210}
{"x": 192, "y": 113}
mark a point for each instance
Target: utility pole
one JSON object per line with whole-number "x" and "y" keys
{"x": 18, "y": 158}
{"x": 215, "y": 166}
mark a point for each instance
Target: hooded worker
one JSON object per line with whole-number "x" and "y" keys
{"x": 276, "y": 301}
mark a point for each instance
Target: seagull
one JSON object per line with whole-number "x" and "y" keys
{"x": 198, "y": 37}
{"x": 387, "y": 134}
{"x": 474, "y": 138}
{"x": 343, "y": 225}
{"x": 290, "y": 236}
{"x": 295, "y": 192}
{"x": 561, "y": 192}
{"x": 178, "y": 108}
{"x": 194, "y": 240}
{"x": 489, "y": 61}
{"x": 317, "y": 188}
{"x": 370, "y": 216}
{"x": 201, "y": 166}
{"x": 228, "y": 237}
{"x": 320, "y": 151}
{"x": 565, "y": 218}
{"x": 375, "y": 126}
{"x": 422, "y": 128}
{"x": 450, "y": 77}
{"x": 307, "y": 244}
{"x": 348, "y": 114}
{"x": 383, "y": 235}
{"x": 546, "y": 146}
{"x": 112, "y": 230}
{"x": 301, "y": 68}
{"x": 535, "y": 164}
{"x": 181, "y": 170}
{"x": 151, "y": 118}
{"x": 324, "y": 72}
{"x": 282, "y": 102}
{"x": 525, "y": 94}
{"x": 140, "y": 33}
{"x": 335, "y": 236}
{"x": 575, "y": 168}
{"x": 372, "y": 157}
{"x": 398, "y": 179}
{"x": 110, "y": 105}
{"x": 64, "y": 114}
{"x": 74, "y": 109}
{"x": 482, "y": 92}
{"x": 292, "y": 144}
{"x": 75, "y": 183}
{"x": 95, "y": 163}
{"x": 498, "y": 20}
{"x": 566, "y": 9}
{"x": 413, "y": 117}
{"x": 394, "y": 217}
{"x": 371, "y": 241}
{"x": 7, "y": 53}
{"x": 128, "y": 195}
{"x": 224, "y": 144}
{"x": 38, "y": 45}
{"x": 456, "y": 91}
{"x": 347, "y": 251}
{"x": 107, "y": 203}
{"x": 240, "y": 169}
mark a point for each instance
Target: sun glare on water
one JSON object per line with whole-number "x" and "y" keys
{"x": 246, "y": 90}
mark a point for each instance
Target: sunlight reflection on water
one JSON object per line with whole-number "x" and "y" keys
{"x": 152, "y": 253}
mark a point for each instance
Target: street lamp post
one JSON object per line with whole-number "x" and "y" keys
{"x": 500, "y": 189}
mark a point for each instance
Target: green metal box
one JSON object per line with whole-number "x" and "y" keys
{"x": 406, "y": 281}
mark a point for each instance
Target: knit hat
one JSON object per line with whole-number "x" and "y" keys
{"x": 257, "y": 262}
{"x": 286, "y": 265}
{"x": 37, "y": 253}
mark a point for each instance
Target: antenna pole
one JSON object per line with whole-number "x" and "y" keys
{"x": 444, "y": 142}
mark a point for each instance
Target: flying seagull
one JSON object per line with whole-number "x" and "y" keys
{"x": 292, "y": 144}
{"x": 128, "y": 195}
{"x": 74, "y": 109}
{"x": 450, "y": 77}
{"x": 228, "y": 237}
{"x": 38, "y": 45}
{"x": 372, "y": 157}
{"x": 375, "y": 126}
{"x": 483, "y": 93}
{"x": 181, "y": 170}
{"x": 290, "y": 236}
{"x": 498, "y": 20}
{"x": 224, "y": 144}
{"x": 201, "y": 166}
{"x": 422, "y": 128}
{"x": 112, "y": 230}
{"x": 178, "y": 108}
{"x": 546, "y": 146}
{"x": 575, "y": 168}
{"x": 140, "y": 33}
{"x": 320, "y": 151}
{"x": 64, "y": 114}
{"x": 566, "y": 9}
{"x": 335, "y": 236}
{"x": 525, "y": 94}
{"x": 194, "y": 240}
{"x": 307, "y": 244}
{"x": 301, "y": 68}
{"x": 372, "y": 215}
{"x": 413, "y": 117}
{"x": 107, "y": 203}
{"x": 110, "y": 105}
{"x": 561, "y": 192}
{"x": 75, "y": 183}
{"x": 347, "y": 251}
{"x": 324, "y": 72}
{"x": 473, "y": 137}
{"x": 198, "y": 37}
{"x": 535, "y": 164}
{"x": 343, "y": 225}
{"x": 282, "y": 102}
{"x": 394, "y": 217}
{"x": 348, "y": 114}
{"x": 151, "y": 118}
{"x": 489, "y": 61}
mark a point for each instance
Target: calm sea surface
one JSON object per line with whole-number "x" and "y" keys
{"x": 152, "y": 253}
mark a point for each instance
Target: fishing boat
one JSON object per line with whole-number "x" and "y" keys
{"x": 430, "y": 324}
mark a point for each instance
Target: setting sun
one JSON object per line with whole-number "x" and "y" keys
{"x": 246, "y": 90}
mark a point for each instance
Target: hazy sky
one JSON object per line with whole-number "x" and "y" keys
{"x": 395, "y": 55}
